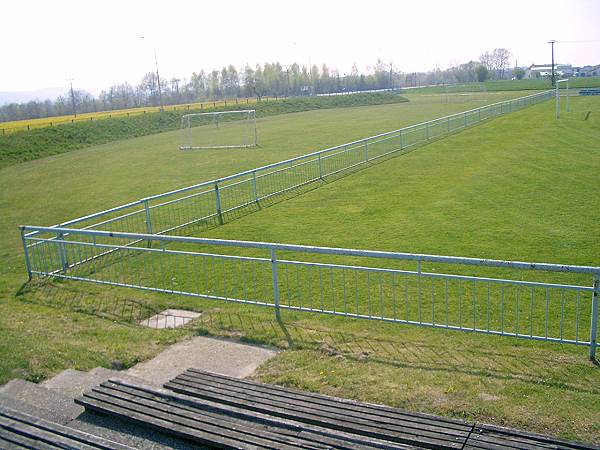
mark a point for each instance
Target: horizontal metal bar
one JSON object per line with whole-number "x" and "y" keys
{"x": 179, "y": 199}
{"x": 324, "y": 265}
{"x": 440, "y": 275}
{"x": 330, "y": 250}
{"x": 248, "y": 111}
{"x": 159, "y": 250}
{"x": 100, "y": 213}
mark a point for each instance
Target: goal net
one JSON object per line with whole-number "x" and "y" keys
{"x": 462, "y": 93}
{"x": 223, "y": 129}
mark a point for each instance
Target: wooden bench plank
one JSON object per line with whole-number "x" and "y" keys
{"x": 404, "y": 434}
{"x": 210, "y": 409}
{"x": 175, "y": 430}
{"x": 410, "y": 432}
{"x": 293, "y": 399}
{"x": 207, "y": 430}
{"x": 318, "y": 434}
{"x": 491, "y": 437}
{"x": 48, "y": 434}
{"x": 10, "y": 440}
{"x": 331, "y": 406}
{"x": 319, "y": 399}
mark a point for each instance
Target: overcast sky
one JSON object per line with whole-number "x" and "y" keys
{"x": 44, "y": 43}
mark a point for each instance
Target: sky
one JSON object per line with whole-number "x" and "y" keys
{"x": 97, "y": 44}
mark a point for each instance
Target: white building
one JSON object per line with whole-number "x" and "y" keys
{"x": 545, "y": 70}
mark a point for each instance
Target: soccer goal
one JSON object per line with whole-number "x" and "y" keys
{"x": 222, "y": 129}
{"x": 462, "y": 93}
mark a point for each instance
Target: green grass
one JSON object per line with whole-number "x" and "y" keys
{"x": 519, "y": 187}
{"x": 28, "y": 145}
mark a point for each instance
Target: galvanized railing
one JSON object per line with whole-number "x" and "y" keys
{"x": 467, "y": 294}
{"x": 128, "y": 246}
{"x": 214, "y": 201}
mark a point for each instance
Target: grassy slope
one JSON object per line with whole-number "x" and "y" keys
{"x": 550, "y": 170}
{"x": 28, "y": 145}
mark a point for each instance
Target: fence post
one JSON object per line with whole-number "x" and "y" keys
{"x": 148, "y": 221}
{"x": 320, "y": 166}
{"x": 594, "y": 322}
{"x": 26, "y": 252}
{"x": 448, "y": 125}
{"x": 218, "y": 202}
{"x": 401, "y": 140}
{"x": 254, "y": 187}
{"x": 366, "y": 151}
{"x": 465, "y": 120}
{"x": 427, "y": 131}
{"x": 275, "y": 284}
{"x": 62, "y": 252}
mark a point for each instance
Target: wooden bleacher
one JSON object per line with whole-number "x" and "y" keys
{"x": 19, "y": 430}
{"x": 217, "y": 411}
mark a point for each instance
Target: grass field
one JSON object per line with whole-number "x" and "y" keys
{"x": 20, "y": 147}
{"x": 519, "y": 187}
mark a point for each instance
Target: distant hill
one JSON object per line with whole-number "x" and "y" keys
{"x": 50, "y": 93}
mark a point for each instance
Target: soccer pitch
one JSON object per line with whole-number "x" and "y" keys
{"x": 521, "y": 187}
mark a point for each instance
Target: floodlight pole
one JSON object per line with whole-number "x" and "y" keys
{"x": 553, "y": 75}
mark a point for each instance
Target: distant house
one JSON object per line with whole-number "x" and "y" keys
{"x": 545, "y": 70}
{"x": 589, "y": 71}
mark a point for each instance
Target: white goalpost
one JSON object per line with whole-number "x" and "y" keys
{"x": 218, "y": 129}
{"x": 565, "y": 81}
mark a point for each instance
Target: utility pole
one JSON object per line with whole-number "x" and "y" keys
{"x": 73, "y": 98}
{"x": 553, "y": 75}
{"x": 287, "y": 71}
{"x": 157, "y": 78}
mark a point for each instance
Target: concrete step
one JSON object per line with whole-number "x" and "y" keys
{"x": 73, "y": 383}
{"x": 35, "y": 399}
{"x": 53, "y": 401}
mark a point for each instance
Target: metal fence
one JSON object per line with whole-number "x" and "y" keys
{"x": 128, "y": 246}
{"x": 214, "y": 201}
{"x": 425, "y": 290}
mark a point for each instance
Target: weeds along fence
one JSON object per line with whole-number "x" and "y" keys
{"x": 425, "y": 290}
{"x": 136, "y": 245}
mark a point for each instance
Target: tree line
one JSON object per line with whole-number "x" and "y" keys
{"x": 269, "y": 79}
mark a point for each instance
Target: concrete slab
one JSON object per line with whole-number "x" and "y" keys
{"x": 170, "y": 318}
{"x": 38, "y": 400}
{"x": 215, "y": 355}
